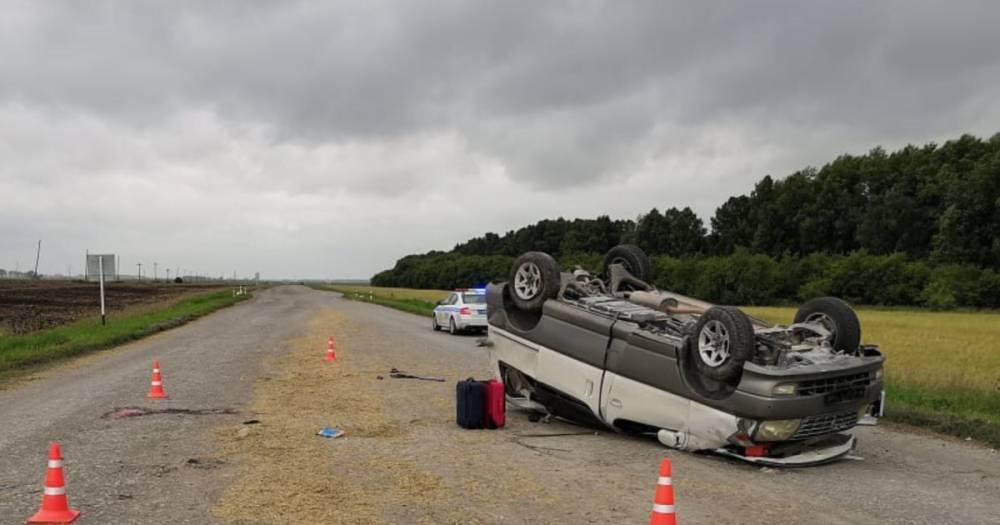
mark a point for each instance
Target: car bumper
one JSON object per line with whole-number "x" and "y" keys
{"x": 470, "y": 322}
{"x": 811, "y": 456}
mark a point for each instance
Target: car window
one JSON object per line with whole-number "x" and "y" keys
{"x": 453, "y": 298}
{"x": 474, "y": 298}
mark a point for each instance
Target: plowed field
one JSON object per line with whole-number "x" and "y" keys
{"x": 27, "y": 306}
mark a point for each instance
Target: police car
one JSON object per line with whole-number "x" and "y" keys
{"x": 462, "y": 310}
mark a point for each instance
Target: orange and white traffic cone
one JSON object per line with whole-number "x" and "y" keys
{"x": 156, "y": 388}
{"x": 663, "y": 501}
{"x": 55, "y": 505}
{"x": 331, "y": 355}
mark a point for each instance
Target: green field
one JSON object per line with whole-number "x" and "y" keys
{"x": 24, "y": 352}
{"x": 942, "y": 368}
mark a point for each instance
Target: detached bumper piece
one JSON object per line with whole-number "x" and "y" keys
{"x": 795, "y": 454}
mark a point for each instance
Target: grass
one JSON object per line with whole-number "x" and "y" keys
{"x": 419, "y": 302}
{"x": 25, "y": 352}
{"x": 942, "y": 368}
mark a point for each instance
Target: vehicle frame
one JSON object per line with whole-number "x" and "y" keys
{"x": 624, "y": 358}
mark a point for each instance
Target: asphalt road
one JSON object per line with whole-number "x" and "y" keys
{"x": 140, "y": 469}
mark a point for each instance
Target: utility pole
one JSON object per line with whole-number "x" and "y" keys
{"x": 139, "y": 265}
{"x": 168, "y": 275}
{"x": 154, "y": 270}
{"x": 37, "y": 255}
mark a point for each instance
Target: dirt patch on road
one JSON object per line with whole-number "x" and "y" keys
{"x": 402, "y": 459}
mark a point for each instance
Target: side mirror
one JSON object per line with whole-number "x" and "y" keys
{"x": 439, "y": 303}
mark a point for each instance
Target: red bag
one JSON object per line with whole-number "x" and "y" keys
{"x": 496, "y": 404}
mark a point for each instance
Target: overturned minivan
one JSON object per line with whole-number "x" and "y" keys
{"x": 612, "y": 350}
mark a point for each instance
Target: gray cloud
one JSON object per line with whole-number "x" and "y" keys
{"x": 350, "y": 133}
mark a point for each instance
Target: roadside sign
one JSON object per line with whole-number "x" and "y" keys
{"x": 96, "y": 268}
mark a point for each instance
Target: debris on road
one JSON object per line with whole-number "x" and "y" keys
{"x": 399, "y": 374}
{"x": 330, "y": 432}
{"x": 561, "y": 434}
{"x": 536, "y": 448}
{"x": 125, "y": 412}
{"x": 204, "y": 463}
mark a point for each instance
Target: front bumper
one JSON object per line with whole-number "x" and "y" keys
{"x": 831, "y": 391}
{"x": 824, "y": 452}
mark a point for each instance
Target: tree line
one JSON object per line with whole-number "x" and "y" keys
{"x": 923, "y": 221}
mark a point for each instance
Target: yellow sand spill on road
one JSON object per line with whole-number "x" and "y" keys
{"x": 402, "y": 460}
{"x": 285, "y": 470}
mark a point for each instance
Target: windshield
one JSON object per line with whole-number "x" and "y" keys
{"x": 473, "y": 298}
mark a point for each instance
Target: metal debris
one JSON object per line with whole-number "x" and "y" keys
{"x": 399, "y": 374}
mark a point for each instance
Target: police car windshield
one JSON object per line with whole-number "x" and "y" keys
{"x": 473, "y": 298}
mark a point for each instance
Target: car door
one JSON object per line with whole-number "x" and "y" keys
{"x": 574, "y": 344}
{"x": 642, "y": 380}
{"x": 444, "y": 312}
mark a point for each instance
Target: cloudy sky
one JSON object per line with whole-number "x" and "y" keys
{"x": 326, "y": 139}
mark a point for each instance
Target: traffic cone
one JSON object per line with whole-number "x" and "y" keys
{"x": 331, "y": 355}
{"x": 663, "y": 501}
{"x": 156, "y": 388}
{"x": 55, "y": 505}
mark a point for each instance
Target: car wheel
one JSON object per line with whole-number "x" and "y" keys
{"x": 723, "y": 341}
{"x": 434, "y": 323}
{"x": 534, "y": 278}
{"x": 452, "y": 329}
{"x": 632, "y": 258}
{"x": 837, "y": 317}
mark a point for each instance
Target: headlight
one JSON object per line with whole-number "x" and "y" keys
{"x": 785, "y": 389}
{"x": 778, "y": 430}
{"x": 879, "y": 374}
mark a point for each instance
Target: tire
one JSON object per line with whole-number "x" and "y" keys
{"x": 534, "y": 279}
{"x": 723, "y": 341}
{"x": 836, "y": 316}
{"x": 632, "y": 258}
{"x": 434, "y": 323}
{"x": 452, "y": 329}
